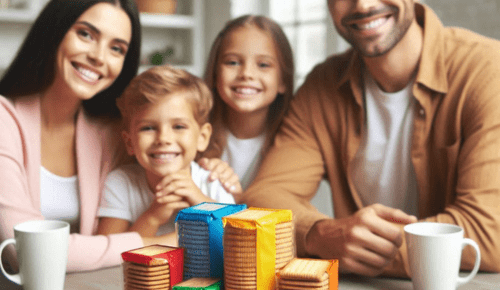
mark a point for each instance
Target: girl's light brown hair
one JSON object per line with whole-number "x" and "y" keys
{"x": 160, "y": 82}
{"x": 277, "y": 109}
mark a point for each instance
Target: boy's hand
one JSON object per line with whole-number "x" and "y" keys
{"x": 223, "y": 172}
{"x": 181, "y": 185}
{"x": 162, "y": 212}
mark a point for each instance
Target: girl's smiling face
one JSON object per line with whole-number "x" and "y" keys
{"x": 165, "y": 137}
{"x": 248, "y": 71}
{"x": 91, "y": 54}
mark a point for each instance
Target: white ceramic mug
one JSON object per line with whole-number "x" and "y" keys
{"x": 42, "y": 253}
{"x": 434, "y": 253}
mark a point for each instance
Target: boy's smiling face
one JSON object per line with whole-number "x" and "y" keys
{"x": 165, "y": 137}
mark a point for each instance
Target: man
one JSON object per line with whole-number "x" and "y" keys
{"x": 404, "y": 125}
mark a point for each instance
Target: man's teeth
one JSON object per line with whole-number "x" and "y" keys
{"x": 166, "y": 156}
{"x": 92, "y": 76}
{"x": 246, "y": 91}
{"x": 372, "y": 24}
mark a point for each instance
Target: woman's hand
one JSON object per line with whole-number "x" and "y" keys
{"x": 223, "y": 172}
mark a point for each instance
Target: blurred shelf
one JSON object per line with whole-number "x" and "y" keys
{"x": 167, "y": 21}
{"x": 17, "y": 16}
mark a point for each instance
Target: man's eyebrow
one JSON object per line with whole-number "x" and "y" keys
{"x": 96, "y": 30}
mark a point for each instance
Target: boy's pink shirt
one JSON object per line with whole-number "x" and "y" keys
{"x": 20, "y": 182}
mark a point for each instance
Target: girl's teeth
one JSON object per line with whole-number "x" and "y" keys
{"x": 246, "y": 91}
{"x": 90, "y": 75}
{"x": 372, "y": 24}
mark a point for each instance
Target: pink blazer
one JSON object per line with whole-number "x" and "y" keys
{"x": 20, "y": 162}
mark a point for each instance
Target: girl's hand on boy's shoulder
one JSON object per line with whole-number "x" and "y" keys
{"x": 181, "y": 185}
{"x": 223, "y": 172}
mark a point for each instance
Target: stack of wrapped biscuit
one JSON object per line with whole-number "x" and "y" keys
{"x": 257, "y": 244}
{"x": 153, "y": 267}
{"x": 200, "y": 233}
{"x": 309, "y": 274}
{"x": 200, "y": 284}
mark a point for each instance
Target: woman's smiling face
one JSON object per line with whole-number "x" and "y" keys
{"x": 91, "y": 54}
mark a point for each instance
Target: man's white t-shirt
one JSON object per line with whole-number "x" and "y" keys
{"x": 382, "y": 169}
{"x": 244, "y": 156}
{"x": 127, "y": 195}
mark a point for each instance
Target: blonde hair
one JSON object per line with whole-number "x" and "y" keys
{"x": 162, "y": 81}
{"x": 280, "y": 105}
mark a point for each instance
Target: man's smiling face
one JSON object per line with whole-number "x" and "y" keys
{"x": 373, "y": 27}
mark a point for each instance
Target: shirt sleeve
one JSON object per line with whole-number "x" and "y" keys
{"x": 476, "y": 157}
{"x": 16, "y": 202}
{"x": 116, "y": 201}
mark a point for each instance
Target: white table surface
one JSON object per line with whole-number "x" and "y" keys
{"x": 112, "y": 279}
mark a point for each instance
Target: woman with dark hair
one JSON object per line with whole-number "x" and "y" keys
{"x": 57, "y": 113}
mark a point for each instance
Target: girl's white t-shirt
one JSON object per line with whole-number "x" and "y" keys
{"x": 60, "y": 198}
{"x": 382, "y": 169}
{"x": 244, "y": 156}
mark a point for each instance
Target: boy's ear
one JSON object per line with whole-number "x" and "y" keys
{"x": 128, "y": 142}
{"x": 204, "y": 137}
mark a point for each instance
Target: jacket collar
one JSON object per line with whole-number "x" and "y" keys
{"x": 88, "y": 155}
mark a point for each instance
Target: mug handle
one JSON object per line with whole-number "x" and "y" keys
{"x": 16, "y": 278}
{"x": 463, "y": 280}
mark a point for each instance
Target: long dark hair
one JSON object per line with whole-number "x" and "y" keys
{"x": 33, "y": 69}
{"x": 278, "y": 107}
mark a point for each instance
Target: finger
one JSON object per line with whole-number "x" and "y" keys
{"x": 209, "y": 163}
{"x": 219, "y": 169}
{"x": 372, "y": 245}
{"x": 381, "y": 224}
{"x": 169, "y": 199}
{"x": 225, "y": 172}
{"x": 366, "y": 257}
{"x": 164, "y": 182}
{"x": 233, "y": 185}
{"x": 204, "y": 163}
{"x": 179, "y": 205}
{"x": 193, "y": 195}
{"x": 354, "y": 266}
{"x": 394, "y": 215}
{"x": 234, "y": 188}
{"x": 179, "y": 184}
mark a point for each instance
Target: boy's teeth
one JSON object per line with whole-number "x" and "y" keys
{"x": 167, "y": 156}
{"x": 372, "y": 24}
{"x": 92, "y": 76}
{"x": 246, "y": 91}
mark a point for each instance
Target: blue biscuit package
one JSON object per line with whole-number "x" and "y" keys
{"x": 200, "y": 233}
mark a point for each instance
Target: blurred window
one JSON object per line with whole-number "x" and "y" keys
{"x": 305, "y": 24}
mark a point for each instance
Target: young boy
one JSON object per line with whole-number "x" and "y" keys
{"x": 165, "y": 114}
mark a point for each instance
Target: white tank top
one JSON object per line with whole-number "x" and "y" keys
{"x": 382, "y": 169}
{"x": 59, "y": 198}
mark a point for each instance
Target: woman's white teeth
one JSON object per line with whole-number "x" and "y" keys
{"x": 90, "y": 75}
{"x": 246, "y": 91}
{"x": 372, "y": 24}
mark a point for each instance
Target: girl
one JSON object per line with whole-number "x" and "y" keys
{"x": 250, "y": 71}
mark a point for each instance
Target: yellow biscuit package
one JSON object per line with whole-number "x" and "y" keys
{"x": 258, "y": 242}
